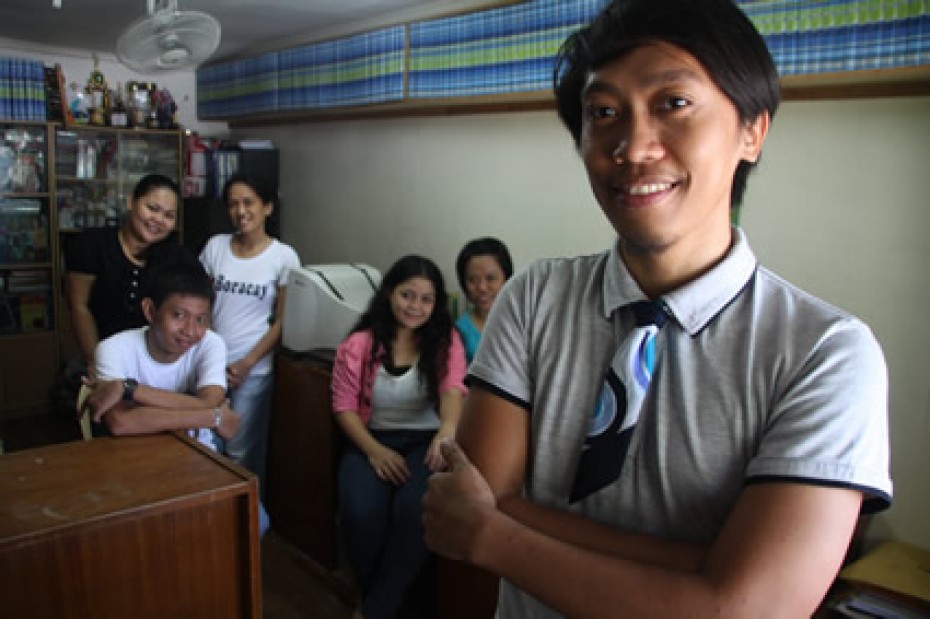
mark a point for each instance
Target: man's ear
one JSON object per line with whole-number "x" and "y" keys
{"x": 148, "y": 309}
{"x": 754, "y": 137}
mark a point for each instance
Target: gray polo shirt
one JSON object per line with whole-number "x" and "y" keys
{"x": 755, "y": 380}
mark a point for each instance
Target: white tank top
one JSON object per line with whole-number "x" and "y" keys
{"x": 401, "y": 402}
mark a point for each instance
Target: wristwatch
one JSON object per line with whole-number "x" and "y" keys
{"x": 129, "y": 389}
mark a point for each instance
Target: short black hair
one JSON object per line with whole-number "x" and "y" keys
{"x": 181, "y": 277}
{"x": 258, "y": 184}
{"x": 484, "y": 246}
{"x": 716, "y": 32}
{"x": 150, "y": 182}
{"x": 266, "y": 191}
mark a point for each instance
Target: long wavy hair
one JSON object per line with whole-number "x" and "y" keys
{"x": 433, "y": 337}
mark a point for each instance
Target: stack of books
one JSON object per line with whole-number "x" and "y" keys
{"x": 22, "y": 89}
{"x": 25, "y": 301}
{"x": 891, "y": 582}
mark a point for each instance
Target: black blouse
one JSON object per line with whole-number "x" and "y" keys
{"x": 120, "y": 285}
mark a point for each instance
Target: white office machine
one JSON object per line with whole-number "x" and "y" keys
{"x": 323, "y": 303}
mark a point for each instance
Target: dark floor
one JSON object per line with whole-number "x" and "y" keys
{"x": 296, "y": 587}
{"x": 293, "y": 585}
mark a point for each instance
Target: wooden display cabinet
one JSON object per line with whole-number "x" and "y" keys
{"x": 28, "y": 248}
{"x": 54, "y": 181}
{"x": 150, "y": 526}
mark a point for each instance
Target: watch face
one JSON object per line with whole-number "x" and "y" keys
{"x": 129, "y": 388}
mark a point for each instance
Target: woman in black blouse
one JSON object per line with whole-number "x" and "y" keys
{"x": 108, "y": 268}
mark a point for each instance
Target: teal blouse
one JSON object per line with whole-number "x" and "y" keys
{"x": 470, "y": 335}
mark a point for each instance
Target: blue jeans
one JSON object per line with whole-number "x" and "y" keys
{"x": 252, "y": 400}
{"x": 264, "y": 522}
{"x": 382, "y": 523}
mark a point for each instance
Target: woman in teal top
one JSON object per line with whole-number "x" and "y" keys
{"x": 482, "y": 266}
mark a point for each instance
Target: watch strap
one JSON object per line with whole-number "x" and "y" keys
{"x": 129, "y": 389}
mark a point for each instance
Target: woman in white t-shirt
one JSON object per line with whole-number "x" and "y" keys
{"x": 249, "y": 270}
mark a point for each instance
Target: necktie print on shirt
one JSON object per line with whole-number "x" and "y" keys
{"x": 617, "y": 409}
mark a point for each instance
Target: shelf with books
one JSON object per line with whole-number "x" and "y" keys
{"x": 26, "y": 301}
{"x": 28, "y": 268}
{"x": 26, "y": 245}
{"x": 24, "y": 230}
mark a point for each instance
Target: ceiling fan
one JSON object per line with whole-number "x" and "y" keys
{"x": 167, "y": 39}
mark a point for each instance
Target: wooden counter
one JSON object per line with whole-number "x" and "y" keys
{"x": 150, "y": 526}
{"x": 304, "y": 445}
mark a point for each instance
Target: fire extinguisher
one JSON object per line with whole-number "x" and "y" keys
{"x": 195, "y": 166}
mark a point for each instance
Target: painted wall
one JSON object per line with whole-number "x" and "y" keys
{"x": 838, "y": 206}
{"x": 374, "y": 190}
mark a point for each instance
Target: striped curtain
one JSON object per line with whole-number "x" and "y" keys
{"x": 511, "y": 49}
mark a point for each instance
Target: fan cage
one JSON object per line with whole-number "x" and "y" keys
{"x": 168, "y": 40}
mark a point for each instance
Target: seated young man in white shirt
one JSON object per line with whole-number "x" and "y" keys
{"x": 171, "y": 374}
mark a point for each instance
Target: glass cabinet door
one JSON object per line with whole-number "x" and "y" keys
{"x": 87, "y": 189}
{"x": 97, "y": 170}
{"x": 142, "y": 154}
{"x": 26, "y": 303}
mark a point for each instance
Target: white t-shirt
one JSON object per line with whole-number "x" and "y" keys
{"x": 125, "y": 355}
{"x": 246, "y": 290}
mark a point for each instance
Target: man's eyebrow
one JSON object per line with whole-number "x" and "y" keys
{"x": 671, "y": 76}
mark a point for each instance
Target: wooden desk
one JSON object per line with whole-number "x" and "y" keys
{"x": 304, "y": 445}
{"x": 149, "y": 526}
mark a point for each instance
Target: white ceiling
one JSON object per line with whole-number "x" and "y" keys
{"x": 247, "y": 25}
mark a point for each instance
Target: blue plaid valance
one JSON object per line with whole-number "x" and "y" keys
{"x": 362, "y": 69}
{"x": 828, "y": 36}
{"x": 510, "y": 49}
{"x": 503, "y": 50}
{"x": 248, "y": 86}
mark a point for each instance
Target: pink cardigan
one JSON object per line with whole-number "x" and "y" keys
{"x": 353, "y": 378}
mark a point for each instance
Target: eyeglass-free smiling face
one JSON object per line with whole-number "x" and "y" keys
{"x": 412, "y": 302}
{"x": 660, "y": 142}
{"x": 176, "y": 325}
{"x": 246, "y": 209}
{"x": 484, "y": 278}
{"x": 153, "y": 216}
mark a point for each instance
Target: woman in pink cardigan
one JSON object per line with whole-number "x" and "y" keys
{"x": 397, "y": 392}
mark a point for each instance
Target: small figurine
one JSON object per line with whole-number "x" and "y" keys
{"x": 77, "y": 103}
{"x": 165, "y": 107}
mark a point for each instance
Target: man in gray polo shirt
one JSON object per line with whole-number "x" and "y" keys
{"x": 764, "y": 431}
